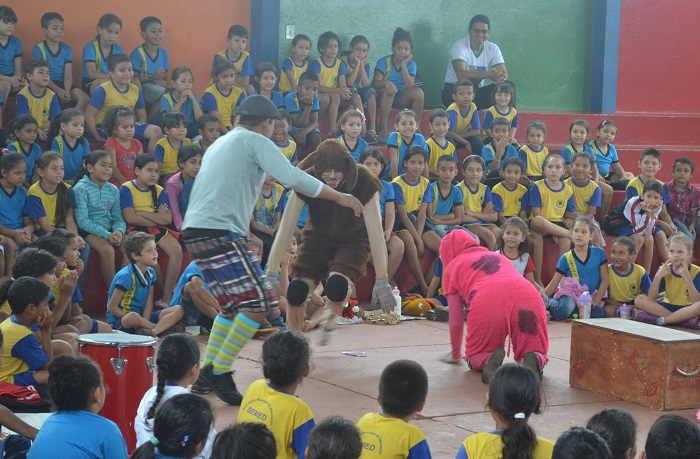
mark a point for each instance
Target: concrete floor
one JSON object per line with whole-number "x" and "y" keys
{"x": 347, "y": 386}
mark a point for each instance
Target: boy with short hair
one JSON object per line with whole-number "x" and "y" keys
{"x": 438, "y": 145}
{"x": 36, "y": 98}
{"x": 496, "y": 152}
{"x": 650, "y": 165}
{"x": 403, "y": 388}
{"x": 167, "y": 148}
{"x": 447, "y": 210}
{"x": 237, "y": 39}
{"x": 672, "y": 437}
{"x": 580, "y": 443}
{"x": 150, "y": 63}
{"x": 130, "y": 296}
{"x": 60, "y": 58}
{"x": 465, "y": 127}
{"x": 194, "y": 296}
{"x": 120, "y": 91}
{"x": 24, "y": 356}
{"x": 684, "y": 197}
{"x": 303, "y": 106}
{"x": 280, "y": 137}
{"x": 209, "y": 130}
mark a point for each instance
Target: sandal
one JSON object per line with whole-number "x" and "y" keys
{"x": 370, "y": 137}
{"x": 437, "y": 315}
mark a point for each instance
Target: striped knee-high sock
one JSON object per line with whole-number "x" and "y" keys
{"x": 217, "y": 336}
{"x": 239, "y": 334}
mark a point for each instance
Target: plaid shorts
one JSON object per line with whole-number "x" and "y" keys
{"x": 236, "y": 280}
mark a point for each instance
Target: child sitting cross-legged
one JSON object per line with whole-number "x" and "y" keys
{"x": 130, "y": 303}
{"x": 627, "y": 279}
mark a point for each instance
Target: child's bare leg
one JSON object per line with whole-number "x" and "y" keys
{"x": 385, "y": 104}
{"x": 173, "y": 249}
{"x": 411, "y": 255}
{"x": 190, "y": 290}
{"x": 168, "y": 318}
{"x": 134, "y": 320}
{"x": 660, "y": 240}
{"x": 683, "y": 314}
{"x": 10, "y": 249}
{"x": 80, "y": 99}
{"x": 42, "y": 376}
{"x": 99, "y": 81}
{"x": 536, "y": 251}
{"x": 544, "y": 226}
{"x": 651, "y": 306}
{"x": 106, "y": 252}
{"x": 333, "y": 106}
{"x": 324, "y": 101}
{"x": 484, "y": 235}
{"x": 395, "y": 251}
{"x": 60, "y": 347}
{"x": 5, "y": 88}
{"x": 295, "y": 316}
{"x": 153, "y": 134}
{"x": 564, "y": 245}
{"x": 606, "y": 194}
{"x": 371, "y": 113}
{"x": 415, "y": 98}
{"x": 648, "y": 252}
{"x": 70, "y": 338}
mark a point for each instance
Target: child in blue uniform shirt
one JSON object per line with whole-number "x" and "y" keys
{"x": 75, "y": 429}
{"x": 272, "y": 401}
{"x": 150, "y": 62}
{"x": 96, "y": 52}
{"x": 303, "y": 107}
{"x": 10, "y": 54}
{"x": 403, "y": 388}
{"x": 130, "y": 296}
{"x": 195, "y": 298}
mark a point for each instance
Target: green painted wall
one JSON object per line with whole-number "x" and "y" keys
{"x": 545, "y": 43}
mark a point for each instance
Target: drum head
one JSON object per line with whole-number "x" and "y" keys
{"x": 116, "y": 339}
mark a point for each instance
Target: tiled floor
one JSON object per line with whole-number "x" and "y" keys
{"x": 347, "y": 386}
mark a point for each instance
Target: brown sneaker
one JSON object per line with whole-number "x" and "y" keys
{"x": 494, "y": 363}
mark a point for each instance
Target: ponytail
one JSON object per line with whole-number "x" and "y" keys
{"x": 519, "y": 440}
{"x": 62, "y": 198}
{"x": 64, "y": 118}
{"x": 54, "y": 128}
{"x": 5, "y": 285}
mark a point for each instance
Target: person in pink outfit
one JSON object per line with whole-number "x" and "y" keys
{"x": 499, "y": 302}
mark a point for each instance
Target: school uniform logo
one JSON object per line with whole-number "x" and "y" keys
{"x": 481, "y": 199}
{"x": 560, "y": 204}
{"x": 633, "y": 289}
{"x": 587, "y": 202}
{"x": 518, "y": 201}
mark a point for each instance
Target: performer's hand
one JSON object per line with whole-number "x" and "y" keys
{"x": 381, "y": 293}
{"x": 350, "y": 201}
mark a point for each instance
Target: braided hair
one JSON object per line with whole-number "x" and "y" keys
{"x": 177, "y": 355}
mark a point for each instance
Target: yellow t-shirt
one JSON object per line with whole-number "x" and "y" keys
{"x": 676, "y": 289}
{"x": 533, "y": 160}
{"x": 384, "y": 437}
{"x": 489, "y": 445}
{"x": 625, "y": 288}
{"x": 510, "y": 201}
{"x": 167, "y": 155}
{"x": 42, "y": 204}
{"x": 582, "y": 194}
{"x": 435, "y": 150}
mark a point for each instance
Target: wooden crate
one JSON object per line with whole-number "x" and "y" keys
{"x": 636, "y": 362}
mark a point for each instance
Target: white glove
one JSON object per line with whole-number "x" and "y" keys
{"x": 382, "y": 294}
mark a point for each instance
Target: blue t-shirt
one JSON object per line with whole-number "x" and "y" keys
{"x": 304, "y": 211}
{"x": 488, "y": 154}
{"x": 72, "y": 434}
{"x": 569, "y": 151}
{"x": 192, "y": 270}
{"x": 277, "y": 98}
{"x": 387, "y": 195}
{"x": 604, "y": 162}
{"x": 151, "y": 65}
{"x": 187, "y": 108}
{"x": 72, "y": 156}
{"x": 136, "y": 287}
{"x": 389, "y": 72}
{"x": 360, "y": 146}
{"x": 92, "y": 52}
{"x": 395, "y": 140}
{"x": 8, "y": 53}
{"x": 443, "y": 205}
{"x": 588, "y": 269}
{"x": 13, "y": 208}
{"x": 57, "y": 62}
{"x": 292, "y": 105}
{"x": 31, "y": 156}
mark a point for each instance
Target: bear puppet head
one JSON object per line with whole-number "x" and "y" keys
{"x": 331, "y": 155}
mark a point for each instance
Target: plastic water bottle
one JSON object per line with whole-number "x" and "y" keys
{"x": 624, "y": 312}
{"x": 585, "y": 301}
{"x": 397, "y": 300}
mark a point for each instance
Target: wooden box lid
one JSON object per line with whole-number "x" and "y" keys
{"x": 630, "y": 327}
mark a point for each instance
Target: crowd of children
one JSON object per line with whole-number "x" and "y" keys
{"x": 61, "y": 199}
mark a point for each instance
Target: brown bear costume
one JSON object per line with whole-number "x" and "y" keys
{"x": 336, "y": 245}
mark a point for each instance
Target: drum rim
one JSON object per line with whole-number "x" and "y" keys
{"x": 89, "y": 338}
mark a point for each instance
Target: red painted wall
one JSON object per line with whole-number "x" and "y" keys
{"x": 193, "y": 32}
{"x": 658, "y": 57}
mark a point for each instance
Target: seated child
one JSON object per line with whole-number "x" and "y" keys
{"x": 302, "y": 217}
{"x": 497, "y": 152}
{"x": 395, "y": 80}
{"x": 264, "y": 82}
{"x": 650, "y": 164}
{"x": 334, "y": 437}
{"x": 293, "y": 420}
{"x": 25, "y": 130}
{"x": 262, "y": 223}
{"x": 36, "y": 98}
{"x": 303, "y": 107}
{"x": 66, "y": 135}
{"x": 130, "y": 296}
{"x": 177, "y": 366}
{"x": 580, "y": 443}
{"x": 181, "y": 98}
{"x": 120, "y": 91}
{"x": 534, "y": 152}
{"x": 401, "y": 140}
{"x": 588, "y": 266}
{"x": 15, "y": 226}
{"x": 98, "y": 51}
{"x": 358, "y": 79}
{"x": 236, "y": 54}
{"x": 294, "y": 66}
{"x": 637, "y": 217}
{"x": 479, "y": 213}
{"x": 552, "y": 208}
{"x": 619, "y": 430}
{"x": 181, "y": 428}
{"x": 437, "y": 145}
{"x": 209, "y": 129}
{"x": 435, "y": 291}
{"x": 587, "y": 193}
{"x": 465, "y": 125}
{"x": 150, "y": 63}
{"x": 514, "y": 395}
{"x": 447, "y": 209}
{"x": 403, "y": 389}
{"x": 514, "y": 243}
{"x": 280, "y": 137}
{"x": 11, "y": 55}
{"x": 121, "y": 145}
{"x": 194, "y": 297}
{"x": 350, "y": 128}
{"x": 245, "y": 440}
{"x": 223, "y": 97}
{"x": 75, "y": 429}
{"x": 166, "y": 152}
{"x": 504, "y": 106}
{"x": 179, "y": 186}
{"x": 684, "y": 198}
{"x": 60, "y": 58}
{"x": 627, "y": 279}
{"x": 674, "y": 436}
{"x": 679, "y": 280}
{"x": 16, "y": 445}
{"x": 609, "y": 169}
{"x": 509, "y": 196}
{"x": 25, "y": 356}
